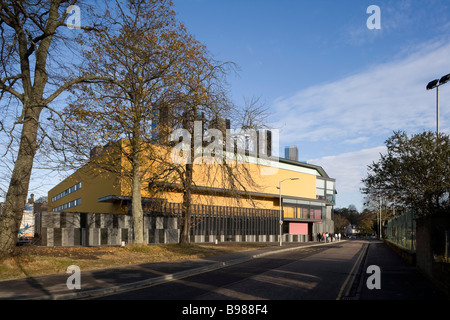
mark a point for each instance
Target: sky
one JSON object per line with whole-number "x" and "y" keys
{"x": 334, "y": 87}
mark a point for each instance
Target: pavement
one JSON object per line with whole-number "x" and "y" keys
{"x": 398, "y": 280}
{"x": 96, "y": 283}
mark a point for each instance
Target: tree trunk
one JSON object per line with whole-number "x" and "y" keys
{"x": 12, "y": 213}
{"x": 187, "y": 196}
{"x": 136, "y": 203}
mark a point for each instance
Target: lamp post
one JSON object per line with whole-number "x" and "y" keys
{"x": 281, "y": 220}
{"x": 436, "y": 84}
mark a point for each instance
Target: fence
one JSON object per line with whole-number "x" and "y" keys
{"x": 447, "y": 246}
{"x": 229, "y": 223}
{"x": 402, "y": 230}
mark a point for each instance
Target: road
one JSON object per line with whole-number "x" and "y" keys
{"x": 291, "y": 282}
{"x": 313, "y": 273}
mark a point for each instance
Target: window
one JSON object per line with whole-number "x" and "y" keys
{"x": 330, "y": 186}
{"x": 325, "y": 190}
{"x": 67, "y": 192}
{"x": 320, "y": 189}
{"x": 303, "y": 213}
{"x": 289, "y": 212}
{"x": 320, "y": 194}
{"x": 316, "y": 213}
{"x": 320, "y": 183}
{"x": 68, "y": 205}
{"x": 303, "y": 209}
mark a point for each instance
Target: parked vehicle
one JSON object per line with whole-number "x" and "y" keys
{"x": 26, "y": 232}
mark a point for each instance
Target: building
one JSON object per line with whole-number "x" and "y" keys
{"x": 291, "y": 153}
{"x": 351, "y": 230}
{"x": 307, "y": 202}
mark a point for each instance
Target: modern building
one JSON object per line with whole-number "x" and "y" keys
{"x": 291, "y": 153}
{"x": 307, "y": 195}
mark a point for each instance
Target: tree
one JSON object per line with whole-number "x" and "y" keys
{"x": 147, "y": 57}
{"x": 381, "y": 208}
{"x": 216, "y": 165}
{"x": 350, "y": 214}
{"x": 368, "y": 221}
{"x": 414, "y": 173}
{"x": 340, "y": 222}
{"x": 159, "y": 79}
{"x": 31, "y": 78}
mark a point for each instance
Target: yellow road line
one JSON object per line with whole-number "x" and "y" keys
{"x": 351, "y": 275}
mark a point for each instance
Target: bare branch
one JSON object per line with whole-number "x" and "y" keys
{"x": 67, "y": 85}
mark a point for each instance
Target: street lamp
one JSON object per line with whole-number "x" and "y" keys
{"x": 281, "y": 220}
{"x": 436, "y": 84}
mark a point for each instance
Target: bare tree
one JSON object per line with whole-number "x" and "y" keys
{"x": 152, "y": 64}
{"x": 160, "y": 79}
{"x": 32, "y": 76}
{"x": 204, "y": 155}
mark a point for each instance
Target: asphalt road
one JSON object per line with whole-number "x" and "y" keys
{"x": 294, "y": 282}
{"x": 314, "y": 273}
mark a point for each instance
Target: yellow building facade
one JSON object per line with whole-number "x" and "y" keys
{"x": 307, "y": 193}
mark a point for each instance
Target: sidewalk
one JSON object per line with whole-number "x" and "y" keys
{"x": 106, "y": 281}
{"x": 399, "y": 281}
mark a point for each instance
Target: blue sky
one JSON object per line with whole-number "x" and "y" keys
{"x": 336, "y": 89}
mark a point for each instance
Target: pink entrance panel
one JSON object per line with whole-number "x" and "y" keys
{"x": 298, "y": 228}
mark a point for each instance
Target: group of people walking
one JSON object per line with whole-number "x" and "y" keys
{"x": 328, "y": 237}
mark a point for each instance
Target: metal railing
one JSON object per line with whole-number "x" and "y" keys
{"x": 402, "y": 230}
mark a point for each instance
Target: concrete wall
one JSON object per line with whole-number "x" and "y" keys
{"x": 430, "y": 245}
{"x": 95, "y": 229}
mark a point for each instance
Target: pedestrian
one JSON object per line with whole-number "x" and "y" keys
{"x": 324, "y": 237}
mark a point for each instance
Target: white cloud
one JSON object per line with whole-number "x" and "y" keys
{"x": 380, "y": 100}
{"x": 351, "y": 117}
{"x": 349, "y": 169}
{"x": 357, "y": 140}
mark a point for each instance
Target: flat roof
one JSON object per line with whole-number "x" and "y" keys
{"x": 307, "y": 165}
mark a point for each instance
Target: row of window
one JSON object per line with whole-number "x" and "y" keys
{"x": 300, "y": 212}
{"x": 67, "y": 192}
{"x": 68, "y": 205}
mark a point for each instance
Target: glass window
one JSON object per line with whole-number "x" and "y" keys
{"x": 305, "y": 213}
{"x": 68, "y": 205}
{"x": 289, "y": 212}
{"x": 320, "y": 183}
{"x": 317, "y": 213}
{"x": 330, "y": 185}
{"x": 67, "y": 192}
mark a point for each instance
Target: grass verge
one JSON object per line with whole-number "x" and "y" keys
{"x": 31, "y": 261}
